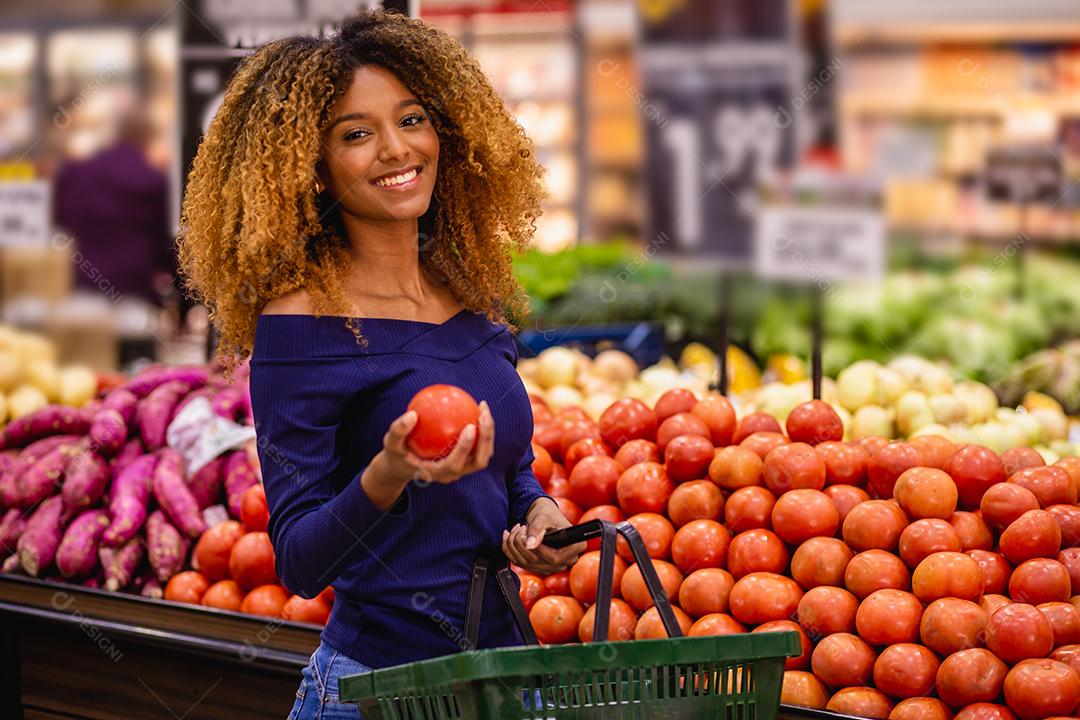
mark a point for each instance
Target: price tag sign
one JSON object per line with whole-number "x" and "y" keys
{"x": 24, "y": 214}
{"x": 718, "y": 120}
{"x": 816, "y": 245}
{"x": 1025, "y": 174}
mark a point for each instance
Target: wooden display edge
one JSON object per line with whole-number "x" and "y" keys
{"x": 251, "y": 639}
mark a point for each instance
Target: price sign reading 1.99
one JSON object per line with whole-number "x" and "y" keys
{"x": 720, "y": 126}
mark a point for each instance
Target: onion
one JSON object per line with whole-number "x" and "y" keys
{"x": 615, "y": 365}
{"x": 557, "y": 366}
{"x": 560, "y": 396}
{"x": 872, "y": 420}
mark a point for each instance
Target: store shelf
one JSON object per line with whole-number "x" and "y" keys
{"x": 971, "y": 31}
{"x": 989, "y": 104}
{"x": 77, "y": 652}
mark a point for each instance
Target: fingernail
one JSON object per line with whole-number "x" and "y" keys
{"x": 470, "y": 431}
{"x": 531, "y": 543}
{"x": 505, "y": 535}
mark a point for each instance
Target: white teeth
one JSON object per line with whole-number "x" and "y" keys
{"x": 397, "y": 179}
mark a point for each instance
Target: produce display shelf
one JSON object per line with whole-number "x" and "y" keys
{"x": 75, "y": 652}
{"x": 794, "y": 712}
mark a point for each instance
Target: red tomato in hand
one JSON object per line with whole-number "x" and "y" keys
{"x": 625, "y": 420}
{"x": 442, "y": 412}
{"x": 814, "y": 422}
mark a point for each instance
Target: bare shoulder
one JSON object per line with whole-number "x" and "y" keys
{"x": 298, "y": 302}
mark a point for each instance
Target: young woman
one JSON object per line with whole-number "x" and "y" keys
{"x": 349, "y": 221}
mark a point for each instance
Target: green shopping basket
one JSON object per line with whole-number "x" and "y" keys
{"x": 730, "y": 677}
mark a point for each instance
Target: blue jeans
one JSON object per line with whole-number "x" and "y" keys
{"x": 317, "y": 698}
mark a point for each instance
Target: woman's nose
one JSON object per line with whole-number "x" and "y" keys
{"x": 394, "y": 146}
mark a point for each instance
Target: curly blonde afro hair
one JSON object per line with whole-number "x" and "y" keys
{"x": 252, "y": 229}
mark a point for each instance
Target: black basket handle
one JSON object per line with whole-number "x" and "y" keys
{"x": 607, "y": 533}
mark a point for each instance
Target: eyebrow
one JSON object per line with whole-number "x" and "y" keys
{"x": 363, "y": 116}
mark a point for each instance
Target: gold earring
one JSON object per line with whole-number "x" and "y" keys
{"x": 318, "y": 188}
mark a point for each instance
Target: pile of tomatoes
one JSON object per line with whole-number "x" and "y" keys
{"x": 924, "y": 578}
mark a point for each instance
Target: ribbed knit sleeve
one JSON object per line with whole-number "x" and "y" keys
{"x": 321, "y": 520}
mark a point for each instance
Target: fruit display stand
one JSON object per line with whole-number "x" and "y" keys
{"x": 74, "y": 652}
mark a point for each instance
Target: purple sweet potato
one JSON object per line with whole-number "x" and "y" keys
{"x": 167, "y": 549}
{"x": 108, "y": 432}
{"x": 132, "y": 450}
{"x": 123, "y": 402}
{"x": 12, "y": 525}
{"x": 85, "y": 479}
{"x": 206, "y": 484}
{"x": 11, "y": 565}
{"x": 229, "y": 402}
{"x": 121, "y": 563}
{"x": 43, "y": 478}
{"x": 174, "y": 496}
{"x": 39, "y": 541}
{"x": 239, "y": 476}
{"x": 49, "y": 420}
{"x": 151, "y": 379}
{"x": 152, "y": 589}
{"x": 154, "y": 412}
{"x": 77, "y": 555}
{"x": 128, "y": 500}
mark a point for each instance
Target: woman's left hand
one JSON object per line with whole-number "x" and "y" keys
{"x": 523, "y": 544}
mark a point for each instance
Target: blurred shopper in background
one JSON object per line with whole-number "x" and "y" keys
{"x": 115, "y": 204}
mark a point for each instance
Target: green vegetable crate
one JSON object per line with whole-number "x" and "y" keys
{"x": 729, "y": 677}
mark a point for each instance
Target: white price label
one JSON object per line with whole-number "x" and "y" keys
{"x": 24, "y": 214}
{"x": 819, "y": 244}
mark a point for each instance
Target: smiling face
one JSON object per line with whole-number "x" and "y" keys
{"x": 380, "y": 154}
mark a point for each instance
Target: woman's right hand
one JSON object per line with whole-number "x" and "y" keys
{"x": 395, "y": 466}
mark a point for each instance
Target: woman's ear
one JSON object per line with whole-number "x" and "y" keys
{"x": 322, "y": 178}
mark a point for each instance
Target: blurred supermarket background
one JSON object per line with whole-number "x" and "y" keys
{"x": 911, "y": 164}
